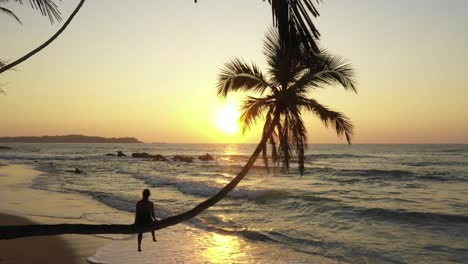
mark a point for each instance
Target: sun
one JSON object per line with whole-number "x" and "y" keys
{"x": 227, "y": 119}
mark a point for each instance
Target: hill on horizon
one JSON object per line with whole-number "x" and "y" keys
{"x": 67, "y": 139}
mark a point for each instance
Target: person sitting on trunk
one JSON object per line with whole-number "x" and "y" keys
{"x": 144, "y": 215}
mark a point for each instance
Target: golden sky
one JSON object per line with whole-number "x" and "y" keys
{"x": 149, "y": 69}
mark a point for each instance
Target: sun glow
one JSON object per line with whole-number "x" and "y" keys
{"x": 227, "y": 119}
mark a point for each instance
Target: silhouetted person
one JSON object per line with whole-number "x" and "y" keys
{"x": 144, "y": 215}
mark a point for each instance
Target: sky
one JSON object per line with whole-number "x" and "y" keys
{"x": 149, "y": 69}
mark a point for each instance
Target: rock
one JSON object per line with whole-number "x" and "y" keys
{"x": 159, "y": 157}
{"x": 3, "y": 147}
{"x": 182, "y": 158}
{"x": 121, "y": 154}
{"x": 206, "y": 157}
{"x": 142, "y": 155}
{"x": 76, "y": 170}
{"x": 110, "y": 154}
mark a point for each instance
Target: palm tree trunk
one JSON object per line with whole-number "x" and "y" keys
{"x": 45, "y": 44}
{"x": 10, "y": 232}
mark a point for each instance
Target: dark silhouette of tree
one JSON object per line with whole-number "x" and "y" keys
{"x": 47, "y": 8}
{"x": 283, "y": 96}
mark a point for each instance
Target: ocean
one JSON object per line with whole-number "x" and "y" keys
{"x": 354, "y": 204}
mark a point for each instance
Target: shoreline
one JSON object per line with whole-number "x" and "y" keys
{"x": 22, "y": 205}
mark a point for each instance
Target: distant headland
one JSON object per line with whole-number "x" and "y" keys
{"x": 68, "y": 139}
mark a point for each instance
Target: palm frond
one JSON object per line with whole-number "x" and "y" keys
{"x": 340, "y": 122}
{"x": 338, "y": 70}
{"x": 10, "y": 14}
{"x": 46, "y": 7}
{"x": 284, "y": 138}
{"x": 295, "y": 26}
{"x": 237, "y": 75}
{"x": 326, "y": 70}
{"x": 299, "y": 137}
{"x": 282, "y": 65}
{"x": 251, "y": 110}
{"x": 266, "y": 126}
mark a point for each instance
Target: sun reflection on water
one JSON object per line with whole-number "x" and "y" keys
{"x": 231, "y": 150}
{"x": 223, "y": 249}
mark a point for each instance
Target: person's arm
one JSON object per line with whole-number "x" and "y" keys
{"x": 152, "y": 212}
{"x": 136, "y": 212}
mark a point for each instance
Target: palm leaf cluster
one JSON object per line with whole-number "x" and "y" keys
{"x": 294, "y": 23}
{"x": 282, "y": 94}
{"x": 45, "y": 7}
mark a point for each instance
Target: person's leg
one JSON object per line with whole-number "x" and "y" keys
{"x": 154, "y": 237}
{"x": 140, "y": 237}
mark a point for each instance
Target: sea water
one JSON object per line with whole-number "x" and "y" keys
{"x": 354, "y": 204}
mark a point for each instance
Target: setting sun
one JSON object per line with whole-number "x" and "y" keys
{"x": 227, "y": 119}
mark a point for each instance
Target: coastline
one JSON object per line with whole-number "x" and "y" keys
{"x": 22, "y": 205}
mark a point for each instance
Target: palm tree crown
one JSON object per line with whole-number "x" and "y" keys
{"x": 283, "y": 93}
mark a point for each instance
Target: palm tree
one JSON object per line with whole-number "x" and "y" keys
{"x": 47, "y": 8}
{"x": 284, "y": 94}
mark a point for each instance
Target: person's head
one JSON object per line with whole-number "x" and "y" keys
{"x": 146, "y": 194}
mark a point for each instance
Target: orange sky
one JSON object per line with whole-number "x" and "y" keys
{"x": 149, "y": 70}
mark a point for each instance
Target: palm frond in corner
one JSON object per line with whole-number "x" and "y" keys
{"x": 47, "y": 8}
{"x": 9, "y": 13}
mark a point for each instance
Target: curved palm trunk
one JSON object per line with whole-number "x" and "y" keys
{"x": 45, "y": 44}
{"x": 10, "y": 232}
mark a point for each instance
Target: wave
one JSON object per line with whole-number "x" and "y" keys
{"x": 352, "y": 176}
{"x": 435, "y": 163}
{"x": 420, "y": 217}
{"x": 338, "y": 156}
{"x": 457, "y": 150}
{"x": 433, "y": 178}
{"x": 361, "y": 173}
{"x": 271, "y": 236}
{"x": 378, "y": 173}
{"x": 205, "y": 189}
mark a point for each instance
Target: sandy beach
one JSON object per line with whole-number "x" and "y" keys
{"x": 21, "y": 205}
